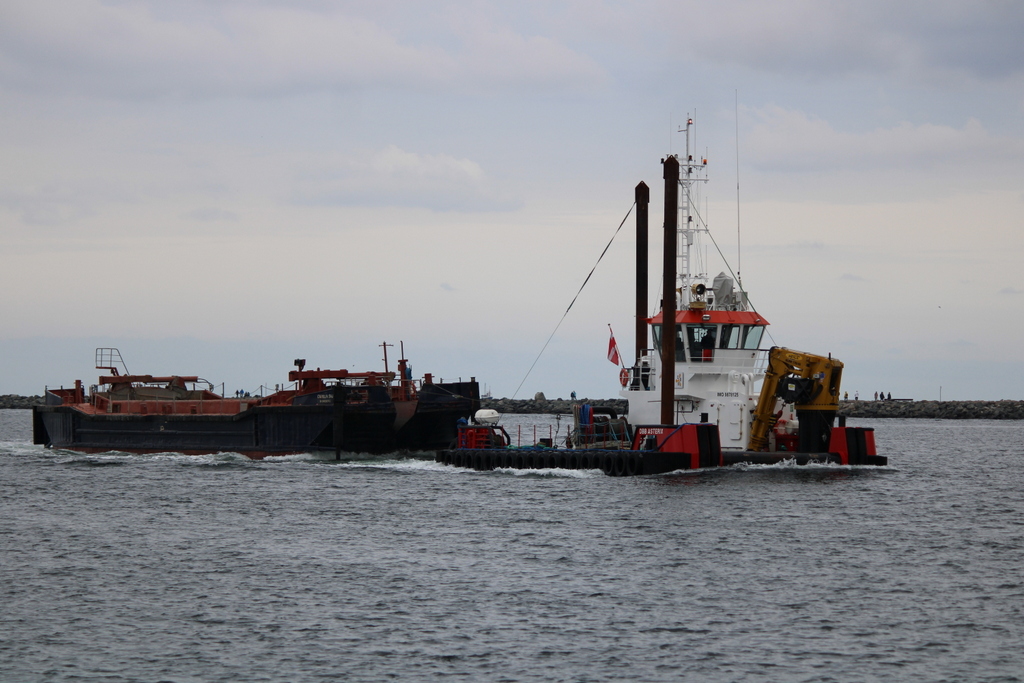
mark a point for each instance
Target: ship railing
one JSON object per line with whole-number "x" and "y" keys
{"x": 356, "y": 382}
{"x": 221, "y": 406}
{"x": 644, "y": 375}
{"x": 108, "y": 358}
{"x": 728, "y": 360}
{"x": 613, "y": 436}
{"x": 548, "y": 441}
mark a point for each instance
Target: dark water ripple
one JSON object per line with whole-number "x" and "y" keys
{"x": 169, "y": 568}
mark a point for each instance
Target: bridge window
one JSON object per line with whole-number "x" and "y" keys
{"x": 730, "y": 337}
{"x": 702, "y": 342}
{"x": 680, "y": 348}
{"x": 752, "y": 336}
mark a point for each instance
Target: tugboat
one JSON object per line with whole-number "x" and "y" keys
{"x": 709, "y": 392}
{"x": 762, "y": 400}
{"x": 322, "y": 411}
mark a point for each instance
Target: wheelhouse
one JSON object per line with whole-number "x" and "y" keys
{"x": 701, "y": 335}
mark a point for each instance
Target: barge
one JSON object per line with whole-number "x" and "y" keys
{"x": 321, "y": 411}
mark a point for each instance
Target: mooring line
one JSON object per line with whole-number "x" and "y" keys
{"x": 552, "y": 336}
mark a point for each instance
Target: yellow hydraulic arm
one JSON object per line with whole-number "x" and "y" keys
{"x": 810, "y": 382}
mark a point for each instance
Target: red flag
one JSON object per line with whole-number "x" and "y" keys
{"x": 613, "y": 348}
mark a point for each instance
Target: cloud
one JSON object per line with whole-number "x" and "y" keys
{"x": 51, "y": 205}
{"x": 210, "y": 214}
{"x": 148, "y": 49}
{"x": 1011, "y": 290}
{"x": 191, "y": 49}
{"x": 912, "y": 40}
{"x": 787, "y": 140}
{"x": 395, "y": 177}
{"x": 850, "y": 277}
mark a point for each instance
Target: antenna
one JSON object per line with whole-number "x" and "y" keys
{"x": 739, "y": 253}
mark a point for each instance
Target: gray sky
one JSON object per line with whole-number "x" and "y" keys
{"x": 220, "y": 187}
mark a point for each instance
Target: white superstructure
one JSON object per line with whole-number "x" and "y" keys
{"x": 720, "y": 347}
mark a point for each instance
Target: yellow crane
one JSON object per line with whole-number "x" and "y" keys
{"x": 811, "y": 384}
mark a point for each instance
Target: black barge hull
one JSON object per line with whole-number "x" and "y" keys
{"x": 264, "y": 431}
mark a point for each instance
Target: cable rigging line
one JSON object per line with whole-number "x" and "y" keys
{"x": 562, "y": 319}
{"x": 736, "y": 277}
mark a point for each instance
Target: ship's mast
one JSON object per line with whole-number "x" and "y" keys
{"x": 691, "y": 173}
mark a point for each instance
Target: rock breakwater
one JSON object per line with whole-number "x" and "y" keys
{"x": 944, "y": 410}
{"x": 556, "y": 406}
{"x": 15, "y": 401}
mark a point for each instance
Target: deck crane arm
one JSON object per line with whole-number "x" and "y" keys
{"x": 808, "y": 381}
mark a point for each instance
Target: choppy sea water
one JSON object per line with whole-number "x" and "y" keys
{"x": 120, "y": 567}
